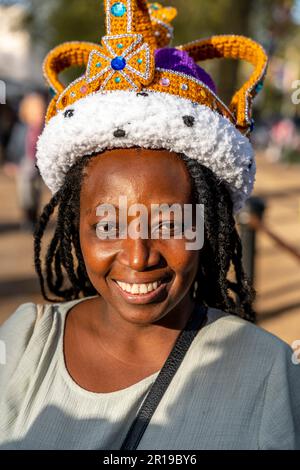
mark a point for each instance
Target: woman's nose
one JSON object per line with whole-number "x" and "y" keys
{"x": 139, "y": 254}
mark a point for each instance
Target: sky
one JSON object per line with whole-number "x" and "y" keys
{"x": 296, "y": 12}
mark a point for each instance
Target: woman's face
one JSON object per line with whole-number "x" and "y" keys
{"x": 140, "y": 278}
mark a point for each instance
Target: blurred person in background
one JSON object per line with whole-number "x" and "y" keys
{"x": 7, "y": 122}
{"x": 283, "y": 135}
{"x": 22, "y": 156}
{"x": 32, "y": 112}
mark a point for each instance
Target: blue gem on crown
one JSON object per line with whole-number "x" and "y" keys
{"x": 118, "y": 63}
{"x": 52, "y": 92}
{"x": 259, "y": 87}
{"x": 118, "y": 9}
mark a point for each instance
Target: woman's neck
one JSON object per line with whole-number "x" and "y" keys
{"x": 135, "y": 342}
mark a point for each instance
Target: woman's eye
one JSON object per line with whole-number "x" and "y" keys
{"x": 166, "y": 228}
{"x": 106, "y": 230}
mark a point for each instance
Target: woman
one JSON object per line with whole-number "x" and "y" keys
{"x": 145, "y": 126}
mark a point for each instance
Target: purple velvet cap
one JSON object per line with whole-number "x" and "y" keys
{"x": 180, "y": 61}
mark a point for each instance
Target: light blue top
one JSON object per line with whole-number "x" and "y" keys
{"x": 237, "y": 388}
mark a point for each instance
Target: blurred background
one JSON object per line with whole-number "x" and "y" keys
{"x": 269, "y": 226}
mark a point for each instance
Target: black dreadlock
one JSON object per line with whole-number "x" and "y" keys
{"x": 222, "y": 248}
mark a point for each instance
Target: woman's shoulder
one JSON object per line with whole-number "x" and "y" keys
{"x": 15, "y": 334}
{"x": 246, "y": 337}
{"x": 245, "y": 354}
{"x": 28, "y": 314}
{"x": 20, "y": 324}
{"x": 16, "y": 331}
{"x": 27, "y": 331}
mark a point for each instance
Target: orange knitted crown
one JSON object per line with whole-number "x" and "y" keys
{"x": 125, "y": 61}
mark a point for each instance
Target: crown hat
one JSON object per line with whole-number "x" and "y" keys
{"x": 138, "y": 91}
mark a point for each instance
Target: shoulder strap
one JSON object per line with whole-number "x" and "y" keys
{"x": 164, "y": 378}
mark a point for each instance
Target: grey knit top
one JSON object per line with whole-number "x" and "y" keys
{"x": 237, "y": 388}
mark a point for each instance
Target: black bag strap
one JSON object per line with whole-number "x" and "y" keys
{"x": 166, "y": 374}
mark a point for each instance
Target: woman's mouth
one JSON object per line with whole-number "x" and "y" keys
{"x": 142, "y": 293}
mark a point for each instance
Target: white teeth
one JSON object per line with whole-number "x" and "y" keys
{"x": 143, "y": 289}
{"x": 135, "y": 289}
{"x": 138, "y": 288}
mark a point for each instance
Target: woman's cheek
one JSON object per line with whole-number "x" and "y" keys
{"x": 98, "y": 254}
{"x": 177, "y": 256}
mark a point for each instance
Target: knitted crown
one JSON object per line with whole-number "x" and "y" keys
{"x": 158, "y": 96}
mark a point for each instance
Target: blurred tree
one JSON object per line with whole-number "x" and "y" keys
{"x": 66, "y": 20}
{"x": 269, "y": 21}
{"x": 205, "y": 18}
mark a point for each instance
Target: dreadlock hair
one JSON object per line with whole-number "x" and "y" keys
{"x": 220, "y": 255}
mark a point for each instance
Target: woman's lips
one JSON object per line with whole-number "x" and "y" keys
{"x": 157, "y": 294}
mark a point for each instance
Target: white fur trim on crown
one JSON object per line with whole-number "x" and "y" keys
{"x": 154, "y": 121}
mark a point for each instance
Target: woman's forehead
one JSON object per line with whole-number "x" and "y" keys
{"x": 138, "y": 174}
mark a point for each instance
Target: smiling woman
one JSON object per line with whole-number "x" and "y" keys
{"x": 135, "y": 282}
{"x": 147, "y": 334}
{"x": 144, "y": 177}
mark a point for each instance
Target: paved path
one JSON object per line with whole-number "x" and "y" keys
{"x": 278, "y": 273}
{"x": 18, "y": 281}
